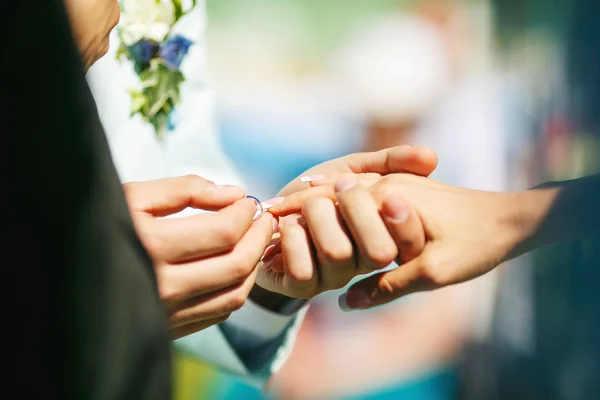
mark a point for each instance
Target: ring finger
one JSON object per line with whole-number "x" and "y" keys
{"x": 337, "y": 264}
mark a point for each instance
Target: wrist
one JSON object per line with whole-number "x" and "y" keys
{"x": 527, "y": 210}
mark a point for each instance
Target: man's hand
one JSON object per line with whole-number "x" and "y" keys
{"x": 206, "y": 263}
{"x": 467, "y": 233}
{"x": 322, "y": 247}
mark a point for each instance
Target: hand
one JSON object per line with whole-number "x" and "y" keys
{"x": 414, "y": 160}
{"x": 316, "y": 251}
{"x": 206, "y": 263}
{"x": 292, "y": 268}
{"x": 468, "y": 233}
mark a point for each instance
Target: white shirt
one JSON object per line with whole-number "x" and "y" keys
{"x": 191, "y": 148}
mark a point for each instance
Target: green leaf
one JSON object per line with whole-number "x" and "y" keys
{"x": 178, "y": 9}
{"x": 138, "y": 101}
{"x": 149, "y": 78}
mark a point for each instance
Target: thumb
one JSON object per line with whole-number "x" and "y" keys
{"x": 411, "y": 277}
{"x": 163, "y": 197}
{"x": 413, "y": 160}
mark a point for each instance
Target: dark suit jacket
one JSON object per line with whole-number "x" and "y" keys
{"x": 89, "y": 323}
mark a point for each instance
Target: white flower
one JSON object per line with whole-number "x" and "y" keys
{"x": 146, "y": 19}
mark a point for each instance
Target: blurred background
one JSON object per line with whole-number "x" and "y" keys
{"x": 507, "y": 93}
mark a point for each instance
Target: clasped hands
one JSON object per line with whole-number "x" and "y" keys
{"x": 358, "y": 214}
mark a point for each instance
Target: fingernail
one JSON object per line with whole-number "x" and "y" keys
{"x": 345, "y": 183}
{"x": 396, "y": 210}
{"x": 354, "y": 298}
{"x": 268, "y": 252}
{"x": 312, "y": 178}
{"x": 272, "y": 202}
{"x": 275, "y": 223}
{"x": 274, "y": 263}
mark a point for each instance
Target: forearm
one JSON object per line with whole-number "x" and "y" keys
{"x": 557, "y": 212}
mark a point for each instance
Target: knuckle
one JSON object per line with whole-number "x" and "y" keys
{"x": 170, "y": 294}
{"x": 236, "y": 301}
{"x": 153, "y": 241}
{"x": 240, "y": 270}
{"x": 410, "y": 247}
{"x": 192, "y": 179}
{"x": 381, "y": 254}
{"x": 383, "y": 189}
{"x": 338, "y": 252}
{"x": 229, "y": 234}
{"x": 430, "y": 272}
{"x": 194, "y": 183}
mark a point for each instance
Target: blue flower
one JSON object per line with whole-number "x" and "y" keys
{"x": 173, "y": 51}
{"x": 143, "y": 51}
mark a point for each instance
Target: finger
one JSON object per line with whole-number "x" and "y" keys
{"x": 337, "y": 264}
{"x": 184, "y": 281}
{"x": 186, "y": 330}
{"x": 361, "y": 214}
{"x": 198, "y": 236}
{"x": 163, "y": 197}
{"x": 296, "y": 255}
{"x": 366, "y": 179}
{"x": 272, "y": 250}
{"x": 384, "y": 287}
{"x": 405, "y": 226}
{"x": 294, "y": 202}
{"x": 415, "y": 160}
{"x": 214, "y": 304}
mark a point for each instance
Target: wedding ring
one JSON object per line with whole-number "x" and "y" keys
{"x": 259, "y": 207}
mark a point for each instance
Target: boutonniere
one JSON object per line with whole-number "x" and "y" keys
{"x": 147, "y": 40}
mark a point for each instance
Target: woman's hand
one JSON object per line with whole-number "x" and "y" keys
{"x": 317, "y": 251}
{"x": 467, "y": 233}
{"x": 327, "y": 244}
{"x": 420, "y": 161}
{"x": 206, "y": 263}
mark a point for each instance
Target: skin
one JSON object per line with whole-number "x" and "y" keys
{"x": 468, "y": 232}
{"x": 322, "y": 247}
{"x": 206, "y": 264}
{"x": 92, "y": 22}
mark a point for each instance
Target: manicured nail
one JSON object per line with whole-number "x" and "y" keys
{"x": 312, "y": 178}
{"x": 354, "y": 298}
{"x": 274, "y": 263}
{"x": 396, "y": 210}
{"x": 345, "y": 183}
{"x": 268, "y": 253}
{"x": 272, "y": 202}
